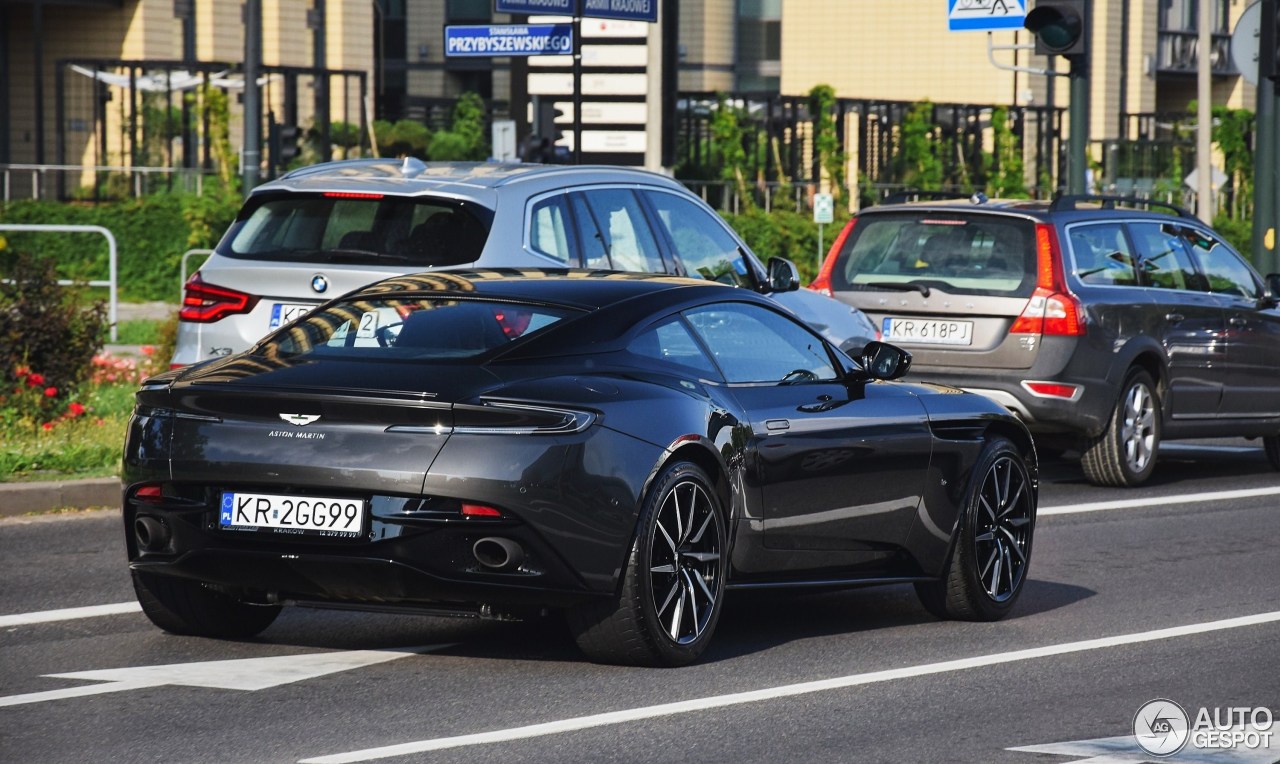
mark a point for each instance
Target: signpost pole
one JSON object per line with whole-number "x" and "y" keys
{"x": 577, "y": 85}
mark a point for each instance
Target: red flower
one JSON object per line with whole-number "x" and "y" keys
{"x": 22, "y": 371}
{"x": 75, "y": 409}
{"x": 50, "y": 392}
{"x": 47, "y": 426}
{"x": 148, "y": 350}
{"x": 35, "y": 380}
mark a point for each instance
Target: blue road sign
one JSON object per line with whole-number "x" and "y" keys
{"x": 509, "y": 40}
{"x": 545, "y": 7}
{"x": 627, "y": 10}
{"x": 985, "y": 15}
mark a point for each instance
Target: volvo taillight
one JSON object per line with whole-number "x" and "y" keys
{"x": 1052, "y": 309}
{"x": 204, "y": 303}
{"x": 822, "y": 284}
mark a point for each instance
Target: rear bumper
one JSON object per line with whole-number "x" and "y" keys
{"x": 1087, "y": 414}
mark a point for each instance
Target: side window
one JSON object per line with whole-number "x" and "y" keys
{"x": 594, "y": 253}
{"x": 549, "y": 230}
{"x": 701, "y": 244}
{"x": 671, "y": 342}
{"x": 738, "y": 335}
{"x": 1102, "y": 255}
{"x": 1163, "y": 259}
{"x": 623, "y": 230}
{"x": 1226, "y": 272}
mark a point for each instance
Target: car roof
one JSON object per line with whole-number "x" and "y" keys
{"x": 1067, "y": 207}
{"x": 580, "y": 288}
{"x": 412, "y": 176}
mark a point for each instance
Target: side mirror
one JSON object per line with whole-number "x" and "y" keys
{"x": 783, "y": 275}
{"x": 881, "y": 360}
{"x": 1273, "y": 288}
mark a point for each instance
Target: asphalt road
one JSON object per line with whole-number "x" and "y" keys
{"x": 862, "y": 675}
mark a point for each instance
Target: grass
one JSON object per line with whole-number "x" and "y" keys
{"x": 87, "y": 446}
{"x": 140, "y": 331}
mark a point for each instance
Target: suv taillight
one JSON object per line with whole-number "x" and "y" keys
{"x": 1052, "y": 309}
{"x": 204, "y": 303}
{"x": 822, "y": 284}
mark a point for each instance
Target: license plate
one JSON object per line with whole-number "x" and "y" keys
{"x": 282, "y": 314}
{"x": 929, "y": 331}
{"x": 303, "y": 515}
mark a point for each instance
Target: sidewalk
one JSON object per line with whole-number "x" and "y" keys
{"x": 20, "y": 498}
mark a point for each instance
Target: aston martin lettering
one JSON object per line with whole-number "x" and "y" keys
{"x": 296, "y": 435}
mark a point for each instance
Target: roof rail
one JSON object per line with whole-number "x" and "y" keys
{"x": 1069, "y": 201}
{"x": 898, "y": 197}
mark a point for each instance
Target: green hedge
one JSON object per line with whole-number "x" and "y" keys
{"x": 784, "y": 233}
{"x": 151, "y": 235}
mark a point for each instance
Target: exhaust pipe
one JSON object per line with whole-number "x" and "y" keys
{"x": 498, "y": 554}
{"x": 152, "y": 534}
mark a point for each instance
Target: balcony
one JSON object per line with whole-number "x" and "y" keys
{"x": 1178, "y": 52}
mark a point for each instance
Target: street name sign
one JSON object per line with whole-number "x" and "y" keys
{"x": 985, "y": 15}
{"x": 558, "y": 7}
{"x": 508, "y": 40}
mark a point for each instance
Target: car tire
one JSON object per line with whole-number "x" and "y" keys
{"x": 1125, "y": 454}
{"x": 183, "y": 606}
{"x": 676, "y": 559}
{"x": 992, "y": 550}
{"x": 1271, "y": 445}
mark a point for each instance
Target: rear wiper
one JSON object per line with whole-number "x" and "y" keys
{"x": 900, "y": 286}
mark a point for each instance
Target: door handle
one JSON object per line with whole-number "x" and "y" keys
{"x": 1174, "y": 318}
{"x": 1238, "y": 321}
{"x": 776, "y": 425}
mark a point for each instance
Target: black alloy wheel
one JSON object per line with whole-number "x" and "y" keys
{"x": 989, "y": 563}
{"x": 673, "y": 584}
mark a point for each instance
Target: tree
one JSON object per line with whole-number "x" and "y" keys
{"x": 918, "y": 164}
{"x": 465, "y": 139}
{"x": 831, "y": 160}
{"x": 726, "y": 138}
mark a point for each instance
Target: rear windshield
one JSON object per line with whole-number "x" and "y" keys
{"x": 358, "y": 229}
{"x": 959, "y": 254}
{"x": 411, "y": 328}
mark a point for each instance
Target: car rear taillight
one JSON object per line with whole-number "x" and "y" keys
{"x": 149, "y": 493}
{"x": 1052, "y": 309}
{"x": 204, "y": 303}
{"x": 822, "y": 284}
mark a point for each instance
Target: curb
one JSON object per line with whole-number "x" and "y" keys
{"x": 20, "y": 498}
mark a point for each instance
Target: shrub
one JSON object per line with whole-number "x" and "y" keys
{"x": 46, "y": 342}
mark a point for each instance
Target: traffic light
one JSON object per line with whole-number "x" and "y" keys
{"x": 282, "y": 144}
{"x": 1059, "y": 27}
{"x": 1269, "y": 41}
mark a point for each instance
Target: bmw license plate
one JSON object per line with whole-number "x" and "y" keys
{"x": 302, "y": 515}
{"x": 282, "y": 314}
{"x": 927, "y": 331}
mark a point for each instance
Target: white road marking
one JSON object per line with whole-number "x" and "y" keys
{"x": 1124, "y": 749}
{"x": 250, "y": 674}
{"x": 67, "y": 614}
{"x": 1156, "y": 501}
{"x": 785, "y": 691}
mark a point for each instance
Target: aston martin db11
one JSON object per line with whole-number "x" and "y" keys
{"x": 622, "y": 448}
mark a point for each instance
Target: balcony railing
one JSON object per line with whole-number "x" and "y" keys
{"x": 1178, "y": 52}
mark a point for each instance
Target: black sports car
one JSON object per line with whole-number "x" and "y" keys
{"x": 621, "y": 447}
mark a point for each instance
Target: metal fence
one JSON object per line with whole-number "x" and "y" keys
{"x": 96, "y": 183}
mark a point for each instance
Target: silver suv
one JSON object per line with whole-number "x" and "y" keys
{"x": 325, "y": 230}
{"x": 1106, "y": 325}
